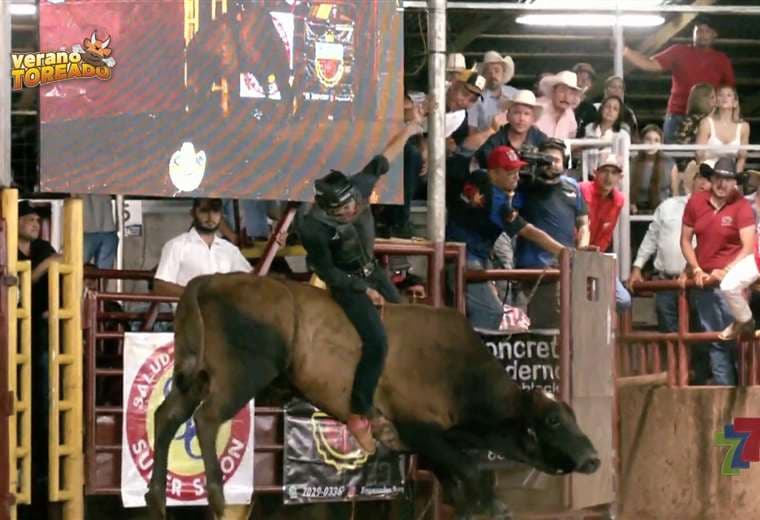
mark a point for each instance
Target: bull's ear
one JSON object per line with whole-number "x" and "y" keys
{"x": 86, "y": 43}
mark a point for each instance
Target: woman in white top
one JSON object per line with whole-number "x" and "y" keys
{"x": 724, "y": 127}
{"x": 609, "y": 120}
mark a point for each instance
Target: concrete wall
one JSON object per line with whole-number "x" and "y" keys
{"x": 671, "y": 467}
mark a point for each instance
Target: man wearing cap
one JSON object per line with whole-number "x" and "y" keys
{"x": 560, "y": 92}
{"x": 41, "y": 254}
{"x": 481, "y": 208}
{"x": 723, "y": 223}
{"x": 605, "y": 202}
{"x": 689, "y": 65}
{"x": 338, "y": 233}
{"x": 498, "y": 72}
{"x": 585, "y": 112}
{"x": 462, "y": 94}
{"x": 554, "y": 204}
{"x": 522, "y": 112}
{"x": 197, "y": 252}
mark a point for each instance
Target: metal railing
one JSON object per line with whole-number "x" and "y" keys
{"x": 65, "y": 281}
{"x": 642, "y": 352}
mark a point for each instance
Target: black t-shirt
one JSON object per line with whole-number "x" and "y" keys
{"x": 39, "y": 250}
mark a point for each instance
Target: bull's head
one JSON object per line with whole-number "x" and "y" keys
{"x": 97, "y": 48}
{"x": 553, "y": 441}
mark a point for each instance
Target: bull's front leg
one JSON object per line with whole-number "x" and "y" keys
{"x": 457, "y": 471}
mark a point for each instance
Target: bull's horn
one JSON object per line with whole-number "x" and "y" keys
{"x": 92, "y": 38}
{"x": 105, "y": 43}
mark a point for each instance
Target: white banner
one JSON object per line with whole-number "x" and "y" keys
{"x": 148, "y": 367}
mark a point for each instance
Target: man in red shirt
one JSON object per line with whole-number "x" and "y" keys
{"x": 604, "y": 202}
{"x": 724, "y": 225}
{"x": 689, "y": 65}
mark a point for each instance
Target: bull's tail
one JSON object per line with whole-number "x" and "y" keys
{"x": 189, "y": 338}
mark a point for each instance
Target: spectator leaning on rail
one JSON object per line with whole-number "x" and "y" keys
{"x": 197, "y": 252}
{"x": 480, "y": 208}
{"x": 552, "y": 202}
{"x": 723, "y": 223}
{"x": 560, "y": 93}
{"x": 338, "y": 233}
{"x": 689, "y": 65}
{"x": 498, "y": 72}
{"x": 604, "y": 204}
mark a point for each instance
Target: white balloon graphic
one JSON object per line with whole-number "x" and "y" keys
{"x": 186, "y": 167}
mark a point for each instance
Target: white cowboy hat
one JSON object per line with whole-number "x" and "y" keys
{"x": 567, "y": 78}
{"x": 525, "y": 97}
{"x": 455, "y": 62}
{"x": 506, "y": 62}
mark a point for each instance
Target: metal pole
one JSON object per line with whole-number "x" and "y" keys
{"x": 623, "y": 229}
{"x": 617, "y": 33}
{"x": 503, "y": 6}
{"x": 122, "y": 235}
{"x": 436, "y": 144}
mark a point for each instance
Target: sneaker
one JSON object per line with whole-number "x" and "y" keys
{"x": 738, "y": 330}
{"x": 361, "y": 429}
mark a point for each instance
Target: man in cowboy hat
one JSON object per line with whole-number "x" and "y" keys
{"x": 455, "y": 64}
{"x": 560, "y": 93}
{"x": 689, "y": 65}
{"x": 338, "y": 233}
{"x": 522, "y": 112}
{"x": 723, "y": 223}
{"x": 498, "y": 72}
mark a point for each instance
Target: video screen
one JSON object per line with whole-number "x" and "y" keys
{"x": 239, "y": 99}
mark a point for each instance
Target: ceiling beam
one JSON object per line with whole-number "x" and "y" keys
{"x": 464, "y": 38}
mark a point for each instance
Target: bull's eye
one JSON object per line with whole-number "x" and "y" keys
{"x": 552, "y": 422}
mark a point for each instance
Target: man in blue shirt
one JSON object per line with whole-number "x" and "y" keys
{"x": 553, "y": 203}
{"x": 481, "y": 207}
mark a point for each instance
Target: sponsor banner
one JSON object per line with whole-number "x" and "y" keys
{"x": 323, "y": 463}
{"x": 531, "y": 358}
{"x": 148, "y": 368}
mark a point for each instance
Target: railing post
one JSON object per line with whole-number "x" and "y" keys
{"x": 683, "y": 329}
{"x": 565, "y": 324}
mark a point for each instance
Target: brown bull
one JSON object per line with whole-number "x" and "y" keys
{"x": 441, "y": 388}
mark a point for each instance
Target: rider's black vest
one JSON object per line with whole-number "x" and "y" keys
{"x": 351, "y": 244}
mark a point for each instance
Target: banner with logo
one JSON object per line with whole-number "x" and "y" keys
{"x": 530, "y": 358}
{"x": 323, "y": 463}
{"x": 148, "y": 367}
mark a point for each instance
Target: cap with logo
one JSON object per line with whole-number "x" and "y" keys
{"x": 612, "y": 160}
{"x": 506, "y": 158}
{"x": 473, "y": 81}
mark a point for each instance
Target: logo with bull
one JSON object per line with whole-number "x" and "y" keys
{"x": 742, "y": 438}
{"x": 335, "y": 445}
{"x": 186, "y": 479}
{"x": 92, "y": 59}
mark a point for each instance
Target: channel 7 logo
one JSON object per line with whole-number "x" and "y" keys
{"x": 742, "y": 438}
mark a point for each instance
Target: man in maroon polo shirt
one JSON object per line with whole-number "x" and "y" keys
{"x": 723, "y": 222}
{"x": 604, "y": 202}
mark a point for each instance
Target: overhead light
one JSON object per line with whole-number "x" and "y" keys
{"x": 591, "y": 20}
{"x": 23, "y": 9}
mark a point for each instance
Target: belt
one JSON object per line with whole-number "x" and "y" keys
{"x": 666, "y": 276}
{"x": 364, "y": 271}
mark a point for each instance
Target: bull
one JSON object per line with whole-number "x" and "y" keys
{"x": 442, "y": 394}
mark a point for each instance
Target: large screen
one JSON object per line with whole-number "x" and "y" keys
{"x": 240, "y": 99}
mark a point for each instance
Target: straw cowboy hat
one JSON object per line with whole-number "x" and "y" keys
{"x": 455, "y": 62}
{"x": 567, "y": 78}
{"x": 525, "y": 97}
{"x": 506, "y": 62}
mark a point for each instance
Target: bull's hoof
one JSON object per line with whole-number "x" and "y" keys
{"x": 385, "y": 432}
{"x": 216, "y": 499}
{"x": 155, "y": 500}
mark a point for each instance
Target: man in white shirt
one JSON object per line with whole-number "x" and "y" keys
{"x": 663, "y": 240}
{"x": 498, "y": 72}
{"x": 199, "y": 251}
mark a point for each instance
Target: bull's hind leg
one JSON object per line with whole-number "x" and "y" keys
{"x": 176, "y": 409}
{"x": 224, "y": 400}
